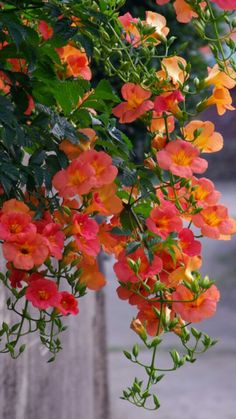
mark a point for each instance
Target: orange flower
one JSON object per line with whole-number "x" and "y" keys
{"x": 149, "y": 318}
{"x": 13, "y": 205}
{"x": 221, "y": 78}
{"x": 214, "y": 221}
{"x": 174, "y": 69}
{"x": 158, "y": 22}
{"x": 92, "y": 277}
{"x": 76, "y": 61}
{"x": 195, "y": 310}
{"x": 136, "y": 103}
{"x": 158, "y": 123}
{"x": 207, "y": 140}
{"x": 184, "y": 12}
{"x": 105, "y": 201}
{"x": 74, "y": 150}
{"x": 222, "y": 99}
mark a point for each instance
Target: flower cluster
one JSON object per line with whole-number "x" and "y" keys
{"x": 73, "y": 183}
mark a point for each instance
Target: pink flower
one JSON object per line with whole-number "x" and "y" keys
{"x": 68, "y": 304}
{"x": 43, "y": 294}
{"x": 125, "y": 274}
{"x": 188, "y": 245}
{"x": 181, "y": 159}
{"x": 199, "y": 309}
{"x": 136, "y": 103}
{"x": 226, "y": 4}
{"x": 164, "y": 219}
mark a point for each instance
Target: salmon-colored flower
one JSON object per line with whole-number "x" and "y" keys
{"x": 13, "y": 205}
{"x": 222, "y": 99}
{"x": 146, "y": 270}
{"x": 158, "y": 123}
{"x": 164, "y": 219}
{"x": 85, "y": 232}
{"x": 188, "y": 244}
{"x": 158, "y": 22}
{"x": 26, "y": 251}
{"x": 74, "y": 150}
{"x": 55, "y": 239}
{"x": 184, "y": 271}
{"x": 184, "y": 12}
{"x": 129, "y": 24}
{"x": 14, "y": 223}
{"x": 203, "y": 136}
{"x": 168, "y": 102}
{"x": 204, "y": 192}
{"x": 226, "y": 4}
{"x": 43, "y": 293}
{"x": 161, "y": 2}
{"x": 220, "y": 78}
{"x": 214, "y": 221}
{"x": 105, "y": 201}
{"x": 195, "y": 310}
{"x": 136, "y": 103}
{"x": 45, "y": 30}
{"x": 76, "y": 61}
{"x": 101, "y": 163}
{"x": 68, "y": 304}
{"x": 149, "y": 318}
{"x": 173, "y": 68}
{"x": 136, "y": 292}
{"x": 92, "y": 277}
{"x": 77, "y": 178}
{"x": 181, "y": 159}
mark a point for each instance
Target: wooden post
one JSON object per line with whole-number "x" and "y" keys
{"x": 74, "y": 386}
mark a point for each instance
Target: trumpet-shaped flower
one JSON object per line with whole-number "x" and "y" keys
{"x": 77, "y": 178}
{"x": 43, "y": 293}
{"x": 105, "y": 201}
{"x": 188, "y": 244}
{"x": 164, "y": 219}
{"x": 220, "y": 78}
{"x": 158, "y": 22}
{"x": 146, "y": 269}
{"x": 214, "y": 221}
{"x": 204, "y": 192}
{"x": 181, "y": 159}
{"x": 173, "y": 68}
{"x": 77, "y": 64}
{"x": 136, "y": 103}
{"x": 68, "y": 304}
{"x": 203, "y": 136}
{"x": 132, "y": 34}
{"x": 26, "y": 251}
{"x": 195, "y": 310}
{"x": 55, "y": 239}
{"x": 14, "y": 223}
{"x": 222, "y": 99}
